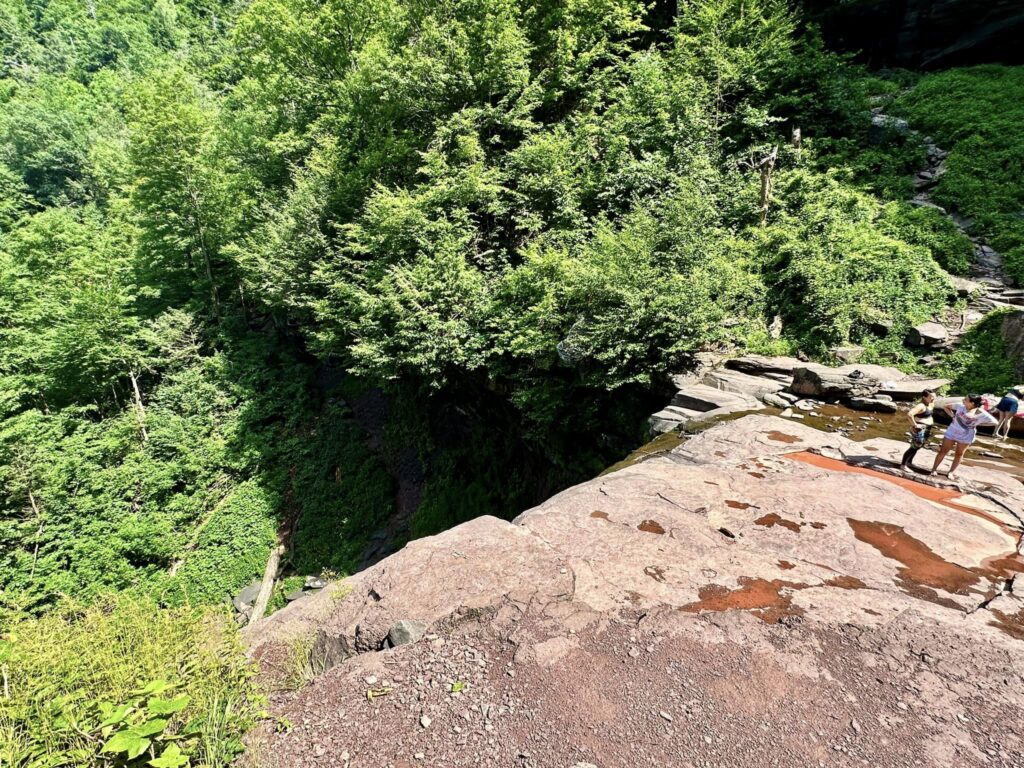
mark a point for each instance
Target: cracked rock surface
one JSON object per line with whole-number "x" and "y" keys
{"x": 763, "y": 594}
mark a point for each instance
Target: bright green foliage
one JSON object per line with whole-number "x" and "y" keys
{"x": 124, "y": 679}
{"x": 928, "y": 228}
{"x": 493, "y": 226}
{"x": 536, "y": 208}
{"x": 981, "y": 362}
{"x": 833, "y": 276}
{"x": 976, "y": 114}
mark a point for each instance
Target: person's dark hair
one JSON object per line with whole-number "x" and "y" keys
{"x": 976, "y": 400}
{"x": 927, "y": 392}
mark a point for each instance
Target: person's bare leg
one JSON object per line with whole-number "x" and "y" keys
{"x": 1004, "y": 418}
{"x": 961, "y": 448}
{"x": 943, "y": 450}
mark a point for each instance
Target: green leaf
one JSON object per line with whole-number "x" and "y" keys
{"x": 116, "y": 715}
{"x": 157, "y": 686}
{"x": 167, "y": 706}
{"x": 171, "y": 757}
{"x": 150, "y": 727}
{"x": 129, "y": 742}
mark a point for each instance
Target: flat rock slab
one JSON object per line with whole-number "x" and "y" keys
{"x": 701, "y": 397}
{"x": 765, "y": 593}
{"x": 742, "y": 383}
{"x": 911, "y": 388}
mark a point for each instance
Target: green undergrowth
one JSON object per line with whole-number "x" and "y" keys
{"x": 928, "y": 228}
{"x": 163, "y": 678}
{"x": 980, "y": 362}
{"x": 976, "y": 113}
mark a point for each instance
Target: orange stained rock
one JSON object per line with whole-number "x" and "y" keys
{"x": 920, "y": 564}
{"x": 945, "y": 496}
{"x": 771, "y": 519}
{"x": 651, "y": 526}
{"x": 762, "y": 597}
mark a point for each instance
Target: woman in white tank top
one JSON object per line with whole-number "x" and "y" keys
{"x": 962, "y": 430}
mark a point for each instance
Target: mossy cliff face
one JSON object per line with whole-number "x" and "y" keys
{"x": 925, "y": 33}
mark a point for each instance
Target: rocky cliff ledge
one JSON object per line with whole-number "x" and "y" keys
{"x": 763, "y": 594}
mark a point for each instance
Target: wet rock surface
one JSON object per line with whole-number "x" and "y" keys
{"x": 762, "y": 593}
{"x": 743, "y": 384}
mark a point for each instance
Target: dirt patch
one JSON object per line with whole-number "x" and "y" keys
{"x": 599, "y": 515}
{"x": 1011, "y": 624}
{"x": 733, "y": 504}
{"x": 782, "y": 437}
{"x": 786, "y": 565}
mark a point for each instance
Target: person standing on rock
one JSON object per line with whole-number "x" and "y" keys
{"x": 921, "y": 421}
{"x": 1007, "y": 408}
{"x": 963, "y": 428}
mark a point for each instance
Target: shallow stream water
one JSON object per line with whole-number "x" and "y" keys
{"x": 1005, "y": 455}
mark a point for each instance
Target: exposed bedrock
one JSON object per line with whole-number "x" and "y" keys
{"x": 763, "y": 593}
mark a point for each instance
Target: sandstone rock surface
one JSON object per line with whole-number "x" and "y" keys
{"x": 928, "y": 335}
{"x": 762, "y": 594}
{"x": 832, "y": 383}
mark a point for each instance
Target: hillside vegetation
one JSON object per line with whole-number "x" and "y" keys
{"x": 255, "y": 256}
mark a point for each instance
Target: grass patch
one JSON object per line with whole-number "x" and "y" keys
{"x": 64, "y": 670}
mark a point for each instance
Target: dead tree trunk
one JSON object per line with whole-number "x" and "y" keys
{"x": 140, "y": 410}
{"x": 767, "y": 165}
{"x": 259, "y": 607}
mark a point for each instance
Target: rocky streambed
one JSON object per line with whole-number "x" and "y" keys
{"x": 761, "y": 593}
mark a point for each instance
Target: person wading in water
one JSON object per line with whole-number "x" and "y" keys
{"x": 921, "y": 422}
{"x": 967, "y": 417}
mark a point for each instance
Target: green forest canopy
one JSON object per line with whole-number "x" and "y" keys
{"x": 262, "y": 262}
{"x": 535, "y": 209}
